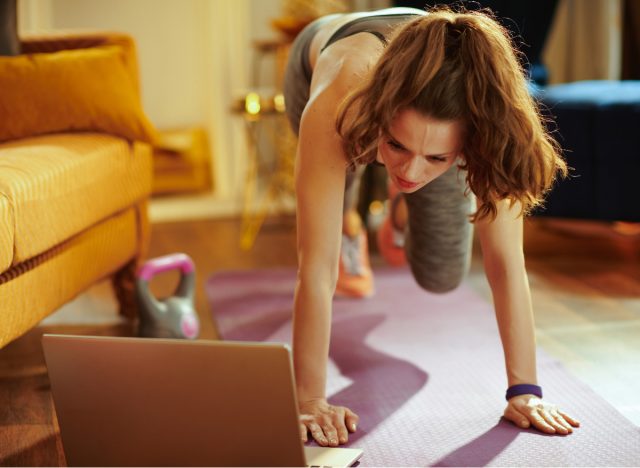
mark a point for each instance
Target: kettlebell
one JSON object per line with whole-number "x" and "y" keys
{"x": 175, "y": 316}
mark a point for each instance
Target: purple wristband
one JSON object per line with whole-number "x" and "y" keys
{"x": 524, "y": 389}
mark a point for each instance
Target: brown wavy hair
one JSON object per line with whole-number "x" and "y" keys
{"x": 460, "y": 66}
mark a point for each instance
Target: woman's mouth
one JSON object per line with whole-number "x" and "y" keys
{"x": 405, "y": 184}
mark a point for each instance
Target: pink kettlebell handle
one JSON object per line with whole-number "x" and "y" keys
{"x": 166, "y": 263}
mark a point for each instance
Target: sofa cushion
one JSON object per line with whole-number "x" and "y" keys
{"x": 55, "y": 41}
{"x": 6, "y": 233}
{"x": 71, "y": 91}
{"x": 61, "y": 184}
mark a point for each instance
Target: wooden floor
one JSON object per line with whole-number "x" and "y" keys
{"x": 585, "y": 280}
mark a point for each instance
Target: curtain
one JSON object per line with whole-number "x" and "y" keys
{"x": 631, "y": 40}
{"x": 35, "y": 15}
{"x": 585, "y": 41}
{"x": 228, "y": 58}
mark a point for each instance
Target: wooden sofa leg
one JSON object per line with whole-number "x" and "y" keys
{"x": 124, "y": 284}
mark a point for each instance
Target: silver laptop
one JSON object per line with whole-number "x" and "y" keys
{"x": 155, "y": 402}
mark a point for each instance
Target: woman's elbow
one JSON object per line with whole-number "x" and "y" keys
{"x": 500, "y": 268}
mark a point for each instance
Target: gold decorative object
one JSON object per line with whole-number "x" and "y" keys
{"x": 259, "y": 111}
{"x": 252, "y": 104}
{"x": 312, "y": 8}
{"x": 290, "y": 26}
{"x": 296, "y": 14}
{"x": 255, "y": 110}
{"x": 181, "y": 161}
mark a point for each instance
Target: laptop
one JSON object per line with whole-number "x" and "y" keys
{"x": 162, "y": 402}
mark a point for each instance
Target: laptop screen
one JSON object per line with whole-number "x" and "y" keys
{"x": 133, "y": 401}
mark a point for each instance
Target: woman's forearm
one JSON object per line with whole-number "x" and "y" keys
{"x": 311, "y": 336}
{"x": 514, "y": 314}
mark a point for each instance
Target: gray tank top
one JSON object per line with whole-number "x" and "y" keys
{"x": 378, "y": 25}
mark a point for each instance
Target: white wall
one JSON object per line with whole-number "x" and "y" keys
{"x": 172, "y": 41}
{"x": 175, "y": 39}
{"x": 194, "y": 58}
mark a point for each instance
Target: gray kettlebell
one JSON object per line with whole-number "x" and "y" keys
{"x": 175, "y": 316}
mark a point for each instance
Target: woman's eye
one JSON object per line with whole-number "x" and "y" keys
{"x": 395, "y": 145}
{"x": 437, "y": 159}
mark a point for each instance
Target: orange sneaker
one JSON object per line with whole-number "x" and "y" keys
{"x": 390, "y": 238}
{"x": 355, "y": 278}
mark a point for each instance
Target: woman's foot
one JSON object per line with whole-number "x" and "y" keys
{"x": 355, "y": 278}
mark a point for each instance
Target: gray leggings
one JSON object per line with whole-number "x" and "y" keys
{"x": 439, "y": 235}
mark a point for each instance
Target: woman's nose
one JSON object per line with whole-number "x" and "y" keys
{"x": 414, "y": 168}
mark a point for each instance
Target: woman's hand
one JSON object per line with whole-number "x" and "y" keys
{"x": 527, "y": 410}
{"x": 329, "y": 425}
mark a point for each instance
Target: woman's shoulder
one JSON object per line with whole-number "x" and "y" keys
{"x": 345, "y": 64}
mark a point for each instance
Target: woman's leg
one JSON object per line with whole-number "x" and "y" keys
{"x": 390, "y": 236}
{"x": 439, "y": 235}
{"x": 355, "y": 278}
{"x": 352, "y": 223}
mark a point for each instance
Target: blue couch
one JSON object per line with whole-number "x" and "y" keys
{"x": 598, "y": 125}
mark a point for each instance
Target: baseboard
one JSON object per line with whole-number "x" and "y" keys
{"x": 207, "y": 206}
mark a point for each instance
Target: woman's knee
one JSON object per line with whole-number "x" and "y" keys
{"x": 440, "y": 261}
{"x": 437, "y": 281}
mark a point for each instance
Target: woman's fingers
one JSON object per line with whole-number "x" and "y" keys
{"x": 571, "y": 420}
{"x": 539, "y": 422}
{"x": 340, "y": 423}
{"x": 343, "y": 434}
{"x": 324, "y": 433}
{"x": 548, "y": 417}
{"x": 351, "y": 419}
{"x": 331, "y": 434}
{"x": 543, "y": 415}
{"x": 318, "y": 434}
{"x": 560, "y": 420}
{"x": 329, "y": 425}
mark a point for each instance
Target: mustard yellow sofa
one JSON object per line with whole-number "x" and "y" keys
{"x": 73, "y": 201}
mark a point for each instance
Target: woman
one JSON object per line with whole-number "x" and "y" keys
{"x": 441, "y": 100}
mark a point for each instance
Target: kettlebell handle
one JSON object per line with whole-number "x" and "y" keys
{"x": 166, "y": 263}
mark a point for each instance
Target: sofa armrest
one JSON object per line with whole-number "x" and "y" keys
{"x": 57, "y": 41}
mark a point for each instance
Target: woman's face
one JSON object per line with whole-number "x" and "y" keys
{"x": 418, "y": 149}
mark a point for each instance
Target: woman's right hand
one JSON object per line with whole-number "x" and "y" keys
{"x": 329, "y": 425}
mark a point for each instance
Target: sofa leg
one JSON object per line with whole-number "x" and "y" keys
{"x": 124, "y": 283}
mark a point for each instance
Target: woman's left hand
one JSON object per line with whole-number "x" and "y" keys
{"x": 529, "y": 410}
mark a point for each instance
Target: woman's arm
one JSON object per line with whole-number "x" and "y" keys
{"x": 502, "y": 248}
{"x": 504, "y": 264}
{"x": 320, "y": 175}
{"x": 320, "y": 178}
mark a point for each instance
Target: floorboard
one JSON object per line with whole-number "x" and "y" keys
{"x": 585, "y": 280}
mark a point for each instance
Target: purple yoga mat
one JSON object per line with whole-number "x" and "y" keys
{"x": 425, "y": 373}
